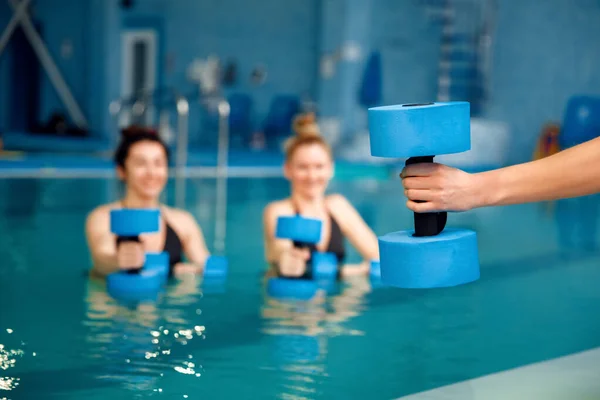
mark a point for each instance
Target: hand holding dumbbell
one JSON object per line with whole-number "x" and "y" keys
{"x": 130, "y": 256}
{"x": 429, "y": 255}
{"x": 293, "y": 262}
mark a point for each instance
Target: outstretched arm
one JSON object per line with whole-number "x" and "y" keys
{"x": 194, "y": 245}
{"x": 274, "y": 247}
{"x": 357, "y": 231}
{"x": 570, "y": 173}
{"x": 289, "y": 261}
{"x": 101, "y": 242}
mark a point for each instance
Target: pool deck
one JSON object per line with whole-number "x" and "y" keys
{"x": 573, "y": 377}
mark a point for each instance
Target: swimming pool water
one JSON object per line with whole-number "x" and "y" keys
{"x": 63, "y": 337}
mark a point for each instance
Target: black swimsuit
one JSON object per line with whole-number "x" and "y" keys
{"x": 174, "y": 247}
{"x": 336, "y": 242}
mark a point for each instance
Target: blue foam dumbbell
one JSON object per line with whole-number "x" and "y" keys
{"x": 305, "y": 232}
{"x": 145, "y": 284}
{"x": 428, "y": 256}
{"x": 139, "y": 282}
{"x": 321, "y": 268}
{"x": 129, "y": 223}
{"x": 158, "y": 262}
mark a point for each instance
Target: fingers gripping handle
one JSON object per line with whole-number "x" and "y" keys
{"x": 427, "y": 224}
{"x": 308, "y": 274}
{"x": 123, "y": 239}
{"x": 301, "y": 245}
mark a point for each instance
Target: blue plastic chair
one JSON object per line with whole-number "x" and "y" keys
{"x": 240, "y": 117}
{"x": 370, "y": 93}
{"x": 278, "y": 122}
{"x": 581, "y": 121}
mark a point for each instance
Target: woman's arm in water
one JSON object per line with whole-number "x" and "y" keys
{"x": 570, "y": 173}
{"x": 358, "y": 233}
{"x": 281, "y": 252}
{"x": 192, "y": 240}
{"x": 101, "y": 241}
{"x": 274, "y": 247}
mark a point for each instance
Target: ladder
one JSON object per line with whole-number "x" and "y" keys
{"x": 465, "y": 49}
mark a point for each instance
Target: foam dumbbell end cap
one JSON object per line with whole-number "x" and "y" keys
{"x": 299, "y": 229}
{"x": 413, "y": 130}
{"x": 145, "y": 285}
{"x": 448, "y": 259}
{"x": 324, "y": 265}
{"x": 158, "y": 262}
{"x": 132, "y": 222}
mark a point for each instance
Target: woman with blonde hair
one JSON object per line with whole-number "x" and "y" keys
{"x": 309, "y": 168}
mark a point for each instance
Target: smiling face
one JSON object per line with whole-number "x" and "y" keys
{"x": 309, "y": 169}
{"x": 146, "y": 169}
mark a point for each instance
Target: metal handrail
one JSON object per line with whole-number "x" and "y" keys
{"x": 224, "y": 110}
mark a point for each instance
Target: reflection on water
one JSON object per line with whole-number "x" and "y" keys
{"x": 141, "y": 342}
{"x": 321, "y": 316}
{"x": 8, "y": 360}
{"x": 140, "y": 345}
{"x": 300, "y": 331}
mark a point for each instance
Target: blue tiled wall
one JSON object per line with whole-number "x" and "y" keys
{"x": 544, "y": 52}
{"x": 409, "y": 45}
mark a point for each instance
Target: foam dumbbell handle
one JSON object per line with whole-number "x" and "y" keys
{"x": 427, "y": 224}
{"x": 129, "y": 223}
{"x": 123, "y": 239}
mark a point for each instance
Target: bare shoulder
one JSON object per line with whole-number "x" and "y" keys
{"x": 277, "y": 208}
{"x": 178, "y": 216}
{"x": 100, "y": 215}
{"x": 340, "y": 207}
{"x": 337, "y": 202}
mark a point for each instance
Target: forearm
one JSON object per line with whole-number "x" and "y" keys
{"x": 571, "y": 173}
{"x": 362, "y": 269}
{"x": 198, "y": 258}
{"x": 275, "y": 252}
{"x": 105, "y": 264}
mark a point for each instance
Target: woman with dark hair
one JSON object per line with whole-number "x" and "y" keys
{"x": 142, "y": 161}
